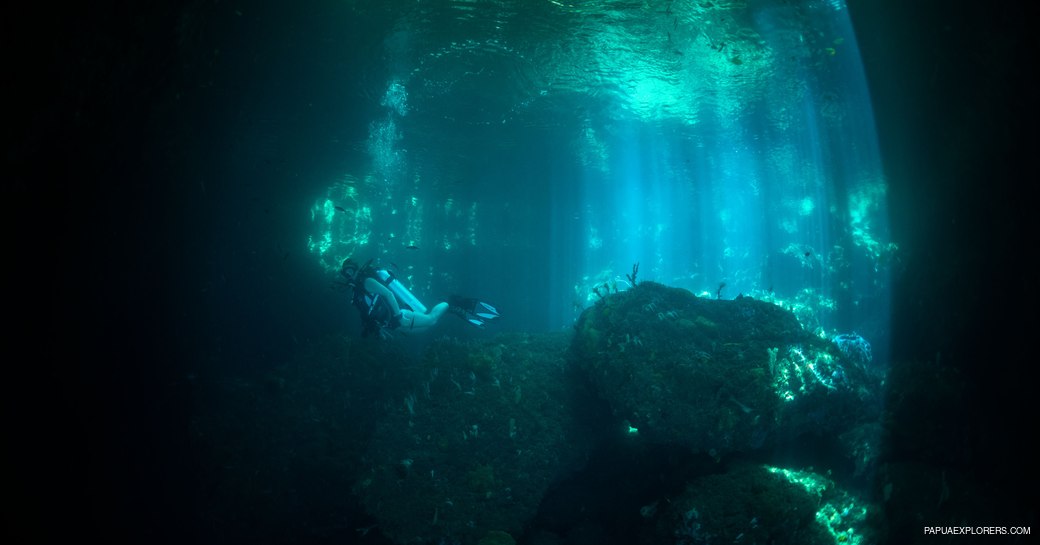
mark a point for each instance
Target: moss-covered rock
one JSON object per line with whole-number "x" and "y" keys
{"x": 497, "y": 537}
{"x": 471, "y": 448}
{"x": 749, "y": 504}
{"x": 461, "y": 443}
{"x": 716, "y": 375}
{"x": 290, "y": 440}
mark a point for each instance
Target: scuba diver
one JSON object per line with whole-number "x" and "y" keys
{"x": 387, "y": 305}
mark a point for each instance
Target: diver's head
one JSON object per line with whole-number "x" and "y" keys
{"x": 349, "y": 269}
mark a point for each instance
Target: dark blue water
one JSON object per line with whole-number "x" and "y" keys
{"x": 198, "y": 171}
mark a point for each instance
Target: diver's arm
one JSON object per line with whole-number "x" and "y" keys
{"x": 373, "y": 286}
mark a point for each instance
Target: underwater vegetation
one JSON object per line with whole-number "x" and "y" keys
{"x": 461, "y": 443}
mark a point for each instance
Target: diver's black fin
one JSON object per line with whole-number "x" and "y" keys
{"x": 473, "y": 311}
{"x": 485, "y": 311}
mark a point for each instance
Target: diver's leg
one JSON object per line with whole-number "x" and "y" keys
{"x": 413, "y": 322}
{"x": 437, "y": 311}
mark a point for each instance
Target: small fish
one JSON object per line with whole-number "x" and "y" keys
{"x": 340, "y": 208}
{"x": 411, "y": 247}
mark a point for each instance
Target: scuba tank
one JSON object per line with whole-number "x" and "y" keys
{"x": 403, "y": 295}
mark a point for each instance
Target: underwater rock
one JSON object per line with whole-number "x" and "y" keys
{"x": 764, "y": 504}
{"x": 472, "y": 447}
{"x": 496, "y": 537}
{"x": 717, "y": 376}
{"x": 278, "y": 449}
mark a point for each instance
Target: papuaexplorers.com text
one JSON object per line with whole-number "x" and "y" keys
{"x": 977, "y": 530}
